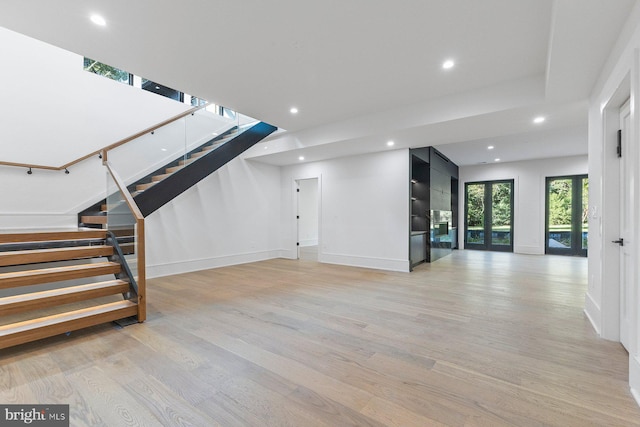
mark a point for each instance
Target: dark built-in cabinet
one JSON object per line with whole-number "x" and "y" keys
{"x": 434, "y": 205}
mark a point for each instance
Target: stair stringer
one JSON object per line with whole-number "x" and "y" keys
{"x": 172, "y": 186}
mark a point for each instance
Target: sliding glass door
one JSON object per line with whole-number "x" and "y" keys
{"x": 567, "y": 225}
{"x": 489, "y": 215}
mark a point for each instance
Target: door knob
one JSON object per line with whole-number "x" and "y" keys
{"x": 620, "y": 242}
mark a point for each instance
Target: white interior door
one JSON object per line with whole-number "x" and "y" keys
{"x": 626, "y": 227}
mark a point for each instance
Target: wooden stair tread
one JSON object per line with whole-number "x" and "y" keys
{"x": 30, "y": 330}
{"x": 198, "y": 154}
{"x": 53, "y": 254}
{"x": 56, "y": 274}
{"x": 93, "y": 219}
{"x": 44, "y": 236}
{"x": 157, "y": 178}
{"x": 141, "y": 187}
{"x": 172, "y": 169}
{"x": 38, "y": 300}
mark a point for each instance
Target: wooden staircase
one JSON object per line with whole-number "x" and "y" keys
{"x": 161, "y": 174}
{"x": 38, "y": 301}
{"x": 96, "y": 216}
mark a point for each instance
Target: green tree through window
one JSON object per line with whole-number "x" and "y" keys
{"x": 105, "y": 70}
{"x": 501, "y": 205}
{"x": 475, "y": 207}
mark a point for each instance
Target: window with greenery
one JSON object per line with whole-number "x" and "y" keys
{"x": 123, "y": 76}
{"x": 107, "y": 71}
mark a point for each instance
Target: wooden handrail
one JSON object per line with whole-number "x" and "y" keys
{"x": 108, "y": 147}
{"x": 128, "y": 198}
{"x": 141, "y": 279}
{"x": 30, "y": 166}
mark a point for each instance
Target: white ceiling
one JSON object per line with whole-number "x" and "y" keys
{"x": 356, "y": 69}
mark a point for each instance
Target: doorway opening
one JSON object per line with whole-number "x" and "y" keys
{"x": 307, "y": 218}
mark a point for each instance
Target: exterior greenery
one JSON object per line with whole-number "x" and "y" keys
{"x": 568, "y": 214}
{"x": 500, "y": 199}
{"x": 559, "y": 210}
{"x": 105, "y": 70}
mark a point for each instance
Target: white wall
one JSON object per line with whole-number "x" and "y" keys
{"x": 529, "y": 194}
{"x": 230, "y": 217}
{"x": 619, "y": 80}
{"x": 364, "y": 209}
{"x": 53, "y": 113}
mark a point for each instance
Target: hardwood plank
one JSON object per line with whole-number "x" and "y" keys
{"x": 56, "y": 274}
{"x": 31, "y": 330}
{"x": 165, "y": 405}
{"x": 110, "y": 406}
{"x": 343, "y": 393}
{"x": 38, "y": 300}
{"x": 54, "y": 254}
{"x": 394, "y": 415}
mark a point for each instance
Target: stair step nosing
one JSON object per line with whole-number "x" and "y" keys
{"x": 31, "y": 256}
{"x": 36, "y": 300}
{"x": 56, "y": 274}
{"x": 30, "y": 330}
{"x": 47, "y": 236}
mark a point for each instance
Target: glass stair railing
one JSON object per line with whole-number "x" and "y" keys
{"x": 153, "y": 164}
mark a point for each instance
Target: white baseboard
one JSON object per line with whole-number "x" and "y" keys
{"x": 179, "y": 267}
{"x": 593, "y": 312}
{"x": 528, "y": 250}
{"x": 634, "y": 377}
{"x": 365, "y": 262}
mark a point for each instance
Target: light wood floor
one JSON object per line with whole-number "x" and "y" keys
{"x": 475, "y": 339}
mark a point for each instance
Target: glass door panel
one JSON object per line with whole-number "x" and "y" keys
{"x": 560, "y": 206}
{"x": 567, "y": 215}
{"x": 501, "y": 214}
{"x": 475, "y": 208}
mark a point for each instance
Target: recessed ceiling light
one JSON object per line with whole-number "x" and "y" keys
{"x": 157, "y": 87}
{"x": 265, "y": 147}
{"x": 293, "y": 110}
{"x": 98, "y": 20}
{"x": 491, "y": 147}
{"x": 390, "y": 143}
{"x": 448, "y": 64}
{"x": 538, "y": 120}
{"x": 163, "y": 149}
{"x": 496, "y": 160}
{"x": 301, "y": 158}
